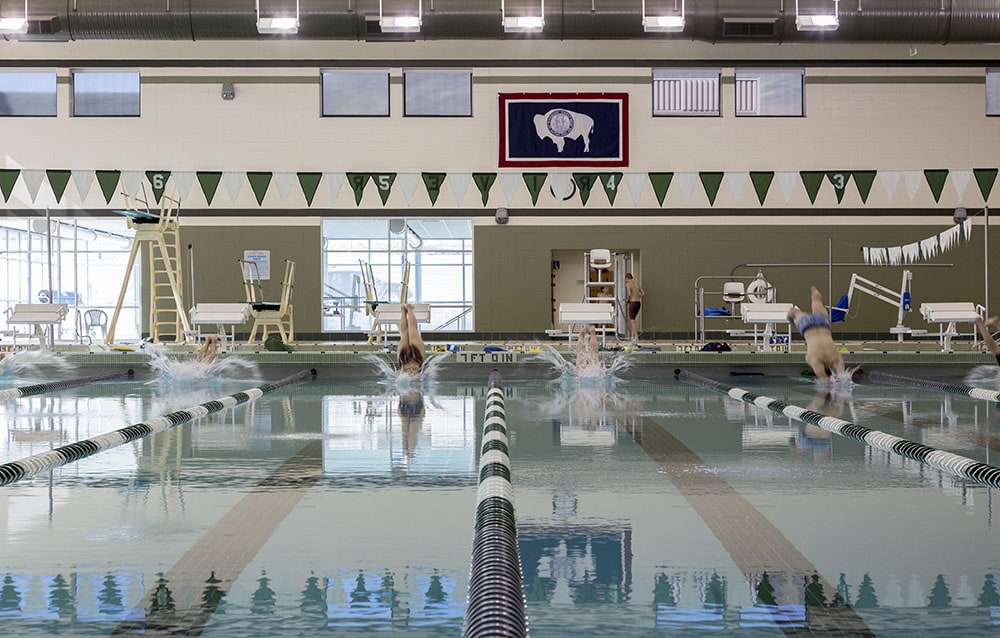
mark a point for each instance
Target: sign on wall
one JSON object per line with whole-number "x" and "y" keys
{"x": 563, "y": 129}
{"x": 257, "y": 264}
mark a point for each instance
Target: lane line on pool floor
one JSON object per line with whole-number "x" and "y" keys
{"x": 223, "y": 552}
{"x": 751, "y": 540}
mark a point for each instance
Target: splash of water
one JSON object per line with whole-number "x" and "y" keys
{"x": 984, "y": 375}
{"x": 32, "y": 363}
{"x": 402, "y": 381}
{"x": 192, "y": 372}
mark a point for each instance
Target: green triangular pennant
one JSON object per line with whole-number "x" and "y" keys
{"x": 309, "y": 182}
{"x": 711, "y": 181}
{"x": 935, "y": 179}
{"x": 8, "y": 177}
{"x": 108, "y": 181}
{"x": 259, "y": 181}
{"x": 661, "y": 183}
{"x": 985, "y": 178}
{"x": 57, "y": 181}
{"x": 158, "y": 180}
{"x": 484, "y": 182}
{"x": 839, "y": 181}
{"x": 585, "y": 182}
{"x": 433, "y": 183}
{"x": 761, "y": 181}
{"x": 357, "y": 182}
{"x": 534, "y": 182}
{"x": 864, "y": 180}
{"x": 384, "y": 182}
{"x": 209, "y": 181}
{"x": 611, "y": 181}
{"x": 812, "y": 180}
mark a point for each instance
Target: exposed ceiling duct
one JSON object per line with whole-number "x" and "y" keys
{"x": 716, "y": 21}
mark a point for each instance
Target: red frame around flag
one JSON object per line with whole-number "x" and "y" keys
{"x": 511, "y": 156}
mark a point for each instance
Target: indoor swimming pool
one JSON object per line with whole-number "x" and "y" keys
{"x": 644, "y": 508}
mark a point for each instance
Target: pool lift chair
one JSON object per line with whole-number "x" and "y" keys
{"x": 269, "y": 314}
{"x": 898, "y": 299}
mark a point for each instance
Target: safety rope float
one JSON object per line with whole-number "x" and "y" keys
{"x": 496, "y": 603}
{"x": 23, "y": 468}
{"x": 945, "y": 461}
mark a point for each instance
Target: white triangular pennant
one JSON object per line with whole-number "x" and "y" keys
{"x": 183, "y": 180}
{"x": 32, "y": 181}
{"x": 787, "y": 181}
{"x": 83, "y": 179}
{"x": 889, "y": 181}
{"x": 737, "y": 182}
{"x": 459, "y": 183}
{"x": 234, "y": 183}
{"x": 509, "y": 184}
{"x": 960, "y": 179}
{"x": 334, "y": 182}
{"x": 132, "y": 183}
{"x": 912, "y": 181}
{"x": 408, "y": 183}
{"x": 686, "y": 182}
{"x": 636, "y": 183}
{"x": 283, "y": 183}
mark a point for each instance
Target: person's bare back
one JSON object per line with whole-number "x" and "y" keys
{"x": 821, "y": 351}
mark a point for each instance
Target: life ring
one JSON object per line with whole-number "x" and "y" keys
{"x": 760, "y": 291}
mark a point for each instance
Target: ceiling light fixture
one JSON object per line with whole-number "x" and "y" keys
{"x": 523, "y": 24}
{"x": 401, "y": 24}
{"x": 818, "y": 22}
{"x": 664, "y": 23}
{"x": 15, "y": 24}
{"x": 278, "y": 24}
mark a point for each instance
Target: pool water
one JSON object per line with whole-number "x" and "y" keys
{"x": 643, "y": 509}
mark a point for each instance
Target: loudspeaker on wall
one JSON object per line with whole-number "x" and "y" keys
{"x": 502, "y": 216}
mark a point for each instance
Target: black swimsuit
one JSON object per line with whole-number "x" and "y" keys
{"x": 410, "y": 354}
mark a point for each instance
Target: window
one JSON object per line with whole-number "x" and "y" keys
{"x": 993, "y": 91}
{"x": 774, "y": 93}
{"x": 439, "y": 252}
{"x": 89, "y": 261}
{"x": 355, "y": 93}
{"x": 106, "y": 93}
{"x": 441, "y": 93}
{"x": 28, "y": 93}
{"x": 677, "y": 92}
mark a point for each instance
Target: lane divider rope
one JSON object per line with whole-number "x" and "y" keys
{"x": 944, "y": 461}
{"x": 496, "y": 604}
{"x": 29, "y": 466}
{"x": 909, "y": 382}
{"x": 52, "y": 386}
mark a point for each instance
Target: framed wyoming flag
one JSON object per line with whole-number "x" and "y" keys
{"x": 563, "y": 129}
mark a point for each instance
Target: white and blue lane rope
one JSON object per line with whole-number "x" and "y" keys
{"x": 945, "y": 461}
{"x": 52, "y": 386}
{"x": 496, "y": 604}
{"x": 26, "y": 467}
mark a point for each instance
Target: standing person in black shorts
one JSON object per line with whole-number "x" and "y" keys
{"x": 633, "y": 300}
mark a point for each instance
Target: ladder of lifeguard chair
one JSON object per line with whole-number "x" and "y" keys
{"x": 166, "y": 319}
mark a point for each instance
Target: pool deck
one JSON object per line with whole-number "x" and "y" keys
{"x": 522, "y": 360}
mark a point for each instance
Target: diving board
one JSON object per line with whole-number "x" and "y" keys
{"x": 39, "y": 315}
{"x": 948, "y": 315}
{"x": 391, "y": 314}
{"x": 584, "y": 313}
{"x": 766, "y": 315}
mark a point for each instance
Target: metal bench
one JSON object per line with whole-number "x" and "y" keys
{"x": 220, "y": 315}
{"x": 948, "y": 316}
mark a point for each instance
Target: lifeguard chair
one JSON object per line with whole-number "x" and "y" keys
{"x": 270, "y": 314}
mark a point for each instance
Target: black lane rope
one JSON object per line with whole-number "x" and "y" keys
{"x": 909, "y": 382}
{"x": 945, "y": 461}
{"x": 52, "y": 386}
{"x": 496, "y": 605}
{"x": 23, "y": 468}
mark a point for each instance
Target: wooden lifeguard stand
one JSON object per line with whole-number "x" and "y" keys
{"x": 161, "y": 235}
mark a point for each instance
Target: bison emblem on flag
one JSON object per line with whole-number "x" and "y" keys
{"x": 563, "y": 129}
